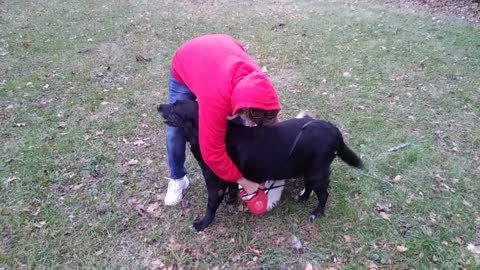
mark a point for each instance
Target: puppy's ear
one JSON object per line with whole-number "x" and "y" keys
{"x": 163, "y": 109}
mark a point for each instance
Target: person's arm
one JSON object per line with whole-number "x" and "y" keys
{"x": 212, "y": 130}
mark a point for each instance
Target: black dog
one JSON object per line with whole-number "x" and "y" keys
{"x": 290, "y": 149}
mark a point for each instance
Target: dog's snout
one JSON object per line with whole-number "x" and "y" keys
{"x": 162, "y": 109}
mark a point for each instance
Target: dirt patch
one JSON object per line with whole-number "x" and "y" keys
{"x": 468, "y": 10}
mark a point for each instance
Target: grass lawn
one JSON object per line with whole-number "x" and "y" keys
{"x": 82, "y": 157}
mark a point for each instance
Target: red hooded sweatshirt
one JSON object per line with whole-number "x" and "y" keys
{"x": 224, "y": 78}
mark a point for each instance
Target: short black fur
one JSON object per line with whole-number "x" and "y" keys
{"x": 263, "y": 153}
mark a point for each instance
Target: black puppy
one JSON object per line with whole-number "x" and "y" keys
{"x": 290, "y": 149}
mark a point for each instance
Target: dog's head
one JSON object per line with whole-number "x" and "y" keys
{"x": 181, "y": 114}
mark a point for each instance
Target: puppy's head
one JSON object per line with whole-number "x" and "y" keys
{"x": 182, "y": 114}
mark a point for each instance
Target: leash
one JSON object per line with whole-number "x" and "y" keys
{"x": 298, "y": 137}
{"x": 266, "y": 190}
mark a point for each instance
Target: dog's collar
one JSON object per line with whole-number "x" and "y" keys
{"x": 298, "y": 137}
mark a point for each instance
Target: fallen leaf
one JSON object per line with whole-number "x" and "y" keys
{"x": 402, "y": 248}
{"x": 394, "y": 179}
{"x": 32, "y": 211}
{"x": 234, "y": 257}
{"x": 11, "y": 179}
{"x": 383, "y": 206}
{"x": 86, "y": 137}
{"x": 458, "y": 240}
{"x": 140, "y": 58}
{"x": 154, "y": 209}
{"x": 20, "y": 124}
{"x": 132, "y": 162}
{"x": 384, "y": 215}
{"x": 475, "y": 249}
{"x": 148, "y": 161}
{"x": 380, "y": 243}
{"x": 198, "y": 253}
{"x": 173, "y": 245}
{"x": 356, "y": 195}
{"x": 253, "y": 250}
{"x": 308, "y": 266}
{"x": 346, "y": 238}
{"x": 467, "y": 204}
{"x": 157, "y": 265}
{"x": 62, "y": 125}
{"x": 373, "y": 266}
{"x": 427, "y": 230}
{"x": 40, "y": 224}
{"x": 140, "y": 208}
{"x": 296, "y": 243}
{"x": 77, "y": 187}
{"x": 25, "y": 44}
{"x": 99, "y": 133}
{"x": 138, "y": 142}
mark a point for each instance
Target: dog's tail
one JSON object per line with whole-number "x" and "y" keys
{"x": 347, "y": 155}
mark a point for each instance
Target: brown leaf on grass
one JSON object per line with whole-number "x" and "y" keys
{"x": 346, "y": 238}
{"x": 76, "y": 187}
{"x": 467, "y": 204}
{"x": 427, "y": 230}
{"x": 11, "y": 179}
{"x": 253, "y": 250}
{"x": 157, "y": 265}
{"x": 25, "y": 43}
{"x": 308, "y": 266}
{"x": 86, "y": 137}
{"x": 296, "y": 243}
{"x": 138, "y": 143}
{"x": 153, "y": 207}
{"x": 458, "y": 240}
{"x": 31, "y": 210}
{"x": 62, "y": 125}
{"x": 173, "y": 245}
{"x": 384, "y": 215}
{"x": 100, "y": 132}
{"x": 197, "y": 253}
{"x": 380, "y": 244}
{"x": 347, "y": 74}
{"x": 40, "y": 224}
{"x": 393, "y": 179}
{"x": 234, "y": 257}
{"x": 132, "y": 162}
{"x": 142, "y": 59}
{"x": 20, "y": 265}
{"x": 356, "y": 195}
{"x": 383, "y": 206}
{"x": 475, "y": 249}
{"x": 402, "y": 248}
{"x": 373, "y": 266}
{"x": 140, "y": 208}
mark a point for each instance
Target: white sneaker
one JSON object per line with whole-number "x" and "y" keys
{"x": 175, "y": 190}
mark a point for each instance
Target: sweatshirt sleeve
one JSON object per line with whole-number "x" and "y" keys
{"x": 212, "y": 130}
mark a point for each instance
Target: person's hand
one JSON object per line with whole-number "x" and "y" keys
{"x": 249, "y": 186}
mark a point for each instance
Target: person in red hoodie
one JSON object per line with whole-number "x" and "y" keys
{"x": 228, "y": 85}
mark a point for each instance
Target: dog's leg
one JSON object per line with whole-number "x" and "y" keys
{"x": 320, "y": 187}
{"x": 232, "y": 194}
{"x": 216, "y": 190}
{"x": 306, "y": 192}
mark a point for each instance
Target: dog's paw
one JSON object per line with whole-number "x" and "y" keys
{"x": 192, "y": 228}
{"x": 312, "y": 217}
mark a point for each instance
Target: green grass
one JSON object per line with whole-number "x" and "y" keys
{"x": 410, "y": 79}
